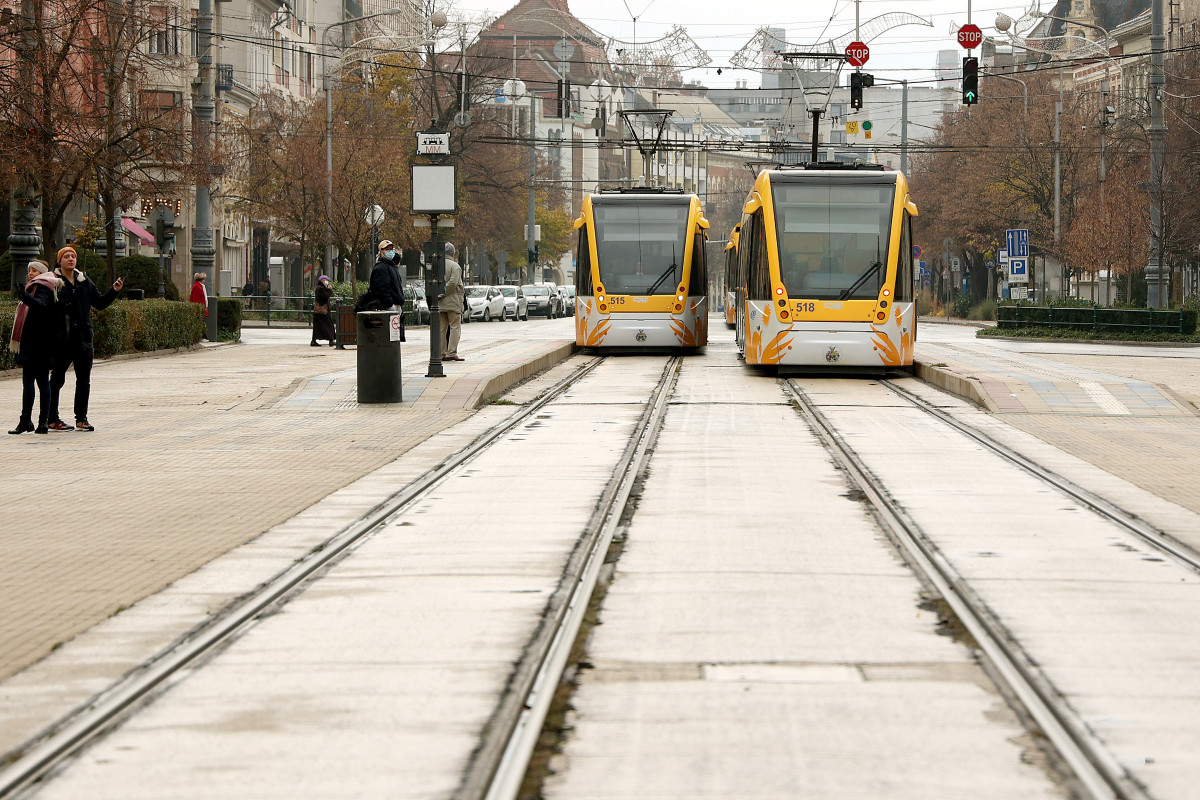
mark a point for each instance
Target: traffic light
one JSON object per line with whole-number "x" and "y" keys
{"x": 970, "y": 85}
{"x": 164, "y": 232}
{"x": 464, "y": 92}
{"x": 856, "y": 90}
{"x": 564, "y": 99}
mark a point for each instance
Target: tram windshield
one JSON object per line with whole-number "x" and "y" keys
{"x": 640, "y": 246}
{"x": 833, "y": 239}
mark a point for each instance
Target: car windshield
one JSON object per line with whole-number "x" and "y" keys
{"x": 640, "y": 245}
{"x": 508, "y": 291}
{"x": 833, "y": 239}
{"x": 477, "y": 291}
{"x": 537, "y": 290}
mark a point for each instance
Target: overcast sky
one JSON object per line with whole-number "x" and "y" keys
{"x": 722, "y": 27}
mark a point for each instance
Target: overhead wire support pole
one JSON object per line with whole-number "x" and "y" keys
{"x": 1158, "y": 138}
{"x": 203, "y": 251}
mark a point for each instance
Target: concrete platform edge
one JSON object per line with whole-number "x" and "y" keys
{"x": 498, "y": 384}
{"x": 955, "y": 384}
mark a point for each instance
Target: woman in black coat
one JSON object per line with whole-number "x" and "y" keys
{"x": 322, "y": 314}
{"x": 37, "y": 329}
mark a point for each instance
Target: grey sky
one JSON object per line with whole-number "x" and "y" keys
{"x": 722, "y": 27}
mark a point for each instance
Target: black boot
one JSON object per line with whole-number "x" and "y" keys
{"x": 42, "y": 428}
{"x": 26, "y": 424}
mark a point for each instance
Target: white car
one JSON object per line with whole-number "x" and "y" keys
{"x": 485, "y": 303}
{"x": 515, "y": 304}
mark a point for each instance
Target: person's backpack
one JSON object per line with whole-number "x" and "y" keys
{"x": 367, "y": 302}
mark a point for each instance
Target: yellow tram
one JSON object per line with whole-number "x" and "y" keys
{"x": 731, "y": 278}
{"x": 825, "y": 268}
{"x": 641, "y": 277}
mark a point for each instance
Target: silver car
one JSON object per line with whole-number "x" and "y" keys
{"x": 515, "y": 304}
{"x": 566, "y": 306}
{"x": 485, "y": 303}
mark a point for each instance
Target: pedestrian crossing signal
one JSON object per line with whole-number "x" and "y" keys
{"x": 970, "y": 82}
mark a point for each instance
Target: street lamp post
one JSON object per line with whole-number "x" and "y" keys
{"x": 203, "y": 251}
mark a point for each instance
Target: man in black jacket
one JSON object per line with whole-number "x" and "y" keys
{"x": 386, "y": 289}
{"x": 78, "y": 296}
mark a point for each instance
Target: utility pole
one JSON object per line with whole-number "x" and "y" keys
{"x": 1155, "y": 295}
{"x": 203, "y": 253}
{"x": 23, "y": 240}
{"x": 904, "y": 127}
{"x": 530, "y": 255}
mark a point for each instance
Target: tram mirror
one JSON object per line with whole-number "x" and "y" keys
{"x": 911, "y": 207}
{"x": 702, "y": 222}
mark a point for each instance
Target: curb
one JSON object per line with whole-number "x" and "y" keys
{"x": 498, "y": 384}
{"x": 1109, "y": 342}
{"x": 955, "y": 384}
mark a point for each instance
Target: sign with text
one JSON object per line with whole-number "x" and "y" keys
{"x": 857, "y": 54}
{"x": 1018, "y": 269}
{"x": 970, "y": 36}
{"x": 433, "y": 144}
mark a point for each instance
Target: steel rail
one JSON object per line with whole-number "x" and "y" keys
{"x": 1156, "y": 537}
{"x": 500, "y": 764}
{"x": 72, "y": 732}
{"x": 1097, "y": 771}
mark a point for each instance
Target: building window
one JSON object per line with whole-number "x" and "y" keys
{"x": 164, "y": 31}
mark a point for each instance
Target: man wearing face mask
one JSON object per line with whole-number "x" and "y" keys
{"x": 386, "y": 288}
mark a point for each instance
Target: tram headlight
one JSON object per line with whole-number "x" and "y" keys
{"x": 882, "y": 315}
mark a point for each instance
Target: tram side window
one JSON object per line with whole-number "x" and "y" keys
{"x": 583, "y": 265}
{"x": 759, "y": 283}
{"x": 904, "y": 263}
{"x": 699, "y": 280}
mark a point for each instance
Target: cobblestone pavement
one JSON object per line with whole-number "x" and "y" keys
{"x": 1133, "y": 411}
{"x": 194, "y": 454}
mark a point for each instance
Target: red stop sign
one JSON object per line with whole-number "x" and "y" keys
{"x": 969, "y": 36}
{"x": 857, "y": 54}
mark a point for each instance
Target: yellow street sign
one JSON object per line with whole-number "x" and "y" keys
{"x": 868, "y": 134}
{"x": 852, "y": 127}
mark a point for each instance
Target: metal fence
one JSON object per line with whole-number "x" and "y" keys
{"x": 284, "y": 311}
{"x": 1096, "y": 318}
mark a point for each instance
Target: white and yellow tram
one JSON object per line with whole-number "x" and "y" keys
{"x": 641, "y": 278}
{"x": 825, "y": 268}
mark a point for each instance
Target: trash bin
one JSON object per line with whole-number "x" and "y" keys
{"x": 378, "y": 339}
{"x": 347, "y": 326}
{"x": 135, "y": 294}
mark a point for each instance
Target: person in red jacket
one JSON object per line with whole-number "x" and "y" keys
{"x": 199, "y": 293}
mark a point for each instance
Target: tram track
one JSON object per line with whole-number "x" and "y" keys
{"x": 517, "y": 721}
{"x": 1094, "y": 769}
{"x": 1161, "y": 540}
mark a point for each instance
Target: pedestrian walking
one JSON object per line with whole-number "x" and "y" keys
{"x": 199, "y": 293}
{"x": 78, "y": 296}
{"x": 248, "y": 289}
{"x": 39, "y": 321}
{"x": 450, "y": 306}
{"x": 322, "y": 318}
{"x": 386, "y": 289}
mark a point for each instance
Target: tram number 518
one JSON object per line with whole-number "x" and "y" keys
{"x": 806, "y": 307}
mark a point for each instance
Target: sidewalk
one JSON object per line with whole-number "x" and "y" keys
{"x": 1132, "y": 412}
{"x": 197, "y": 453}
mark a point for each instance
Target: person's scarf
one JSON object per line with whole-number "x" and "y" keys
{"x": 47, "y": 279}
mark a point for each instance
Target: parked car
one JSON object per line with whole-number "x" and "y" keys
{"x": 558, "y": 311}
{"x": 540, "y": 300}
{"x": 485, "y": 303}
{"x": 420, "y": 303}
{"x": 567, "y": 300}
{"x": 515, "y": 304}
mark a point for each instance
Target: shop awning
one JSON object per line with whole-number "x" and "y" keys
{"x": 137, "y": 230}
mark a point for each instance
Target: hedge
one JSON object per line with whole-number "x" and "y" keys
{"x": 229, "y": 318}
{"x": 127, "y": 326}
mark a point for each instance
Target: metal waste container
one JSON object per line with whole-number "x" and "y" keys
{"x": 378, "y": 343}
